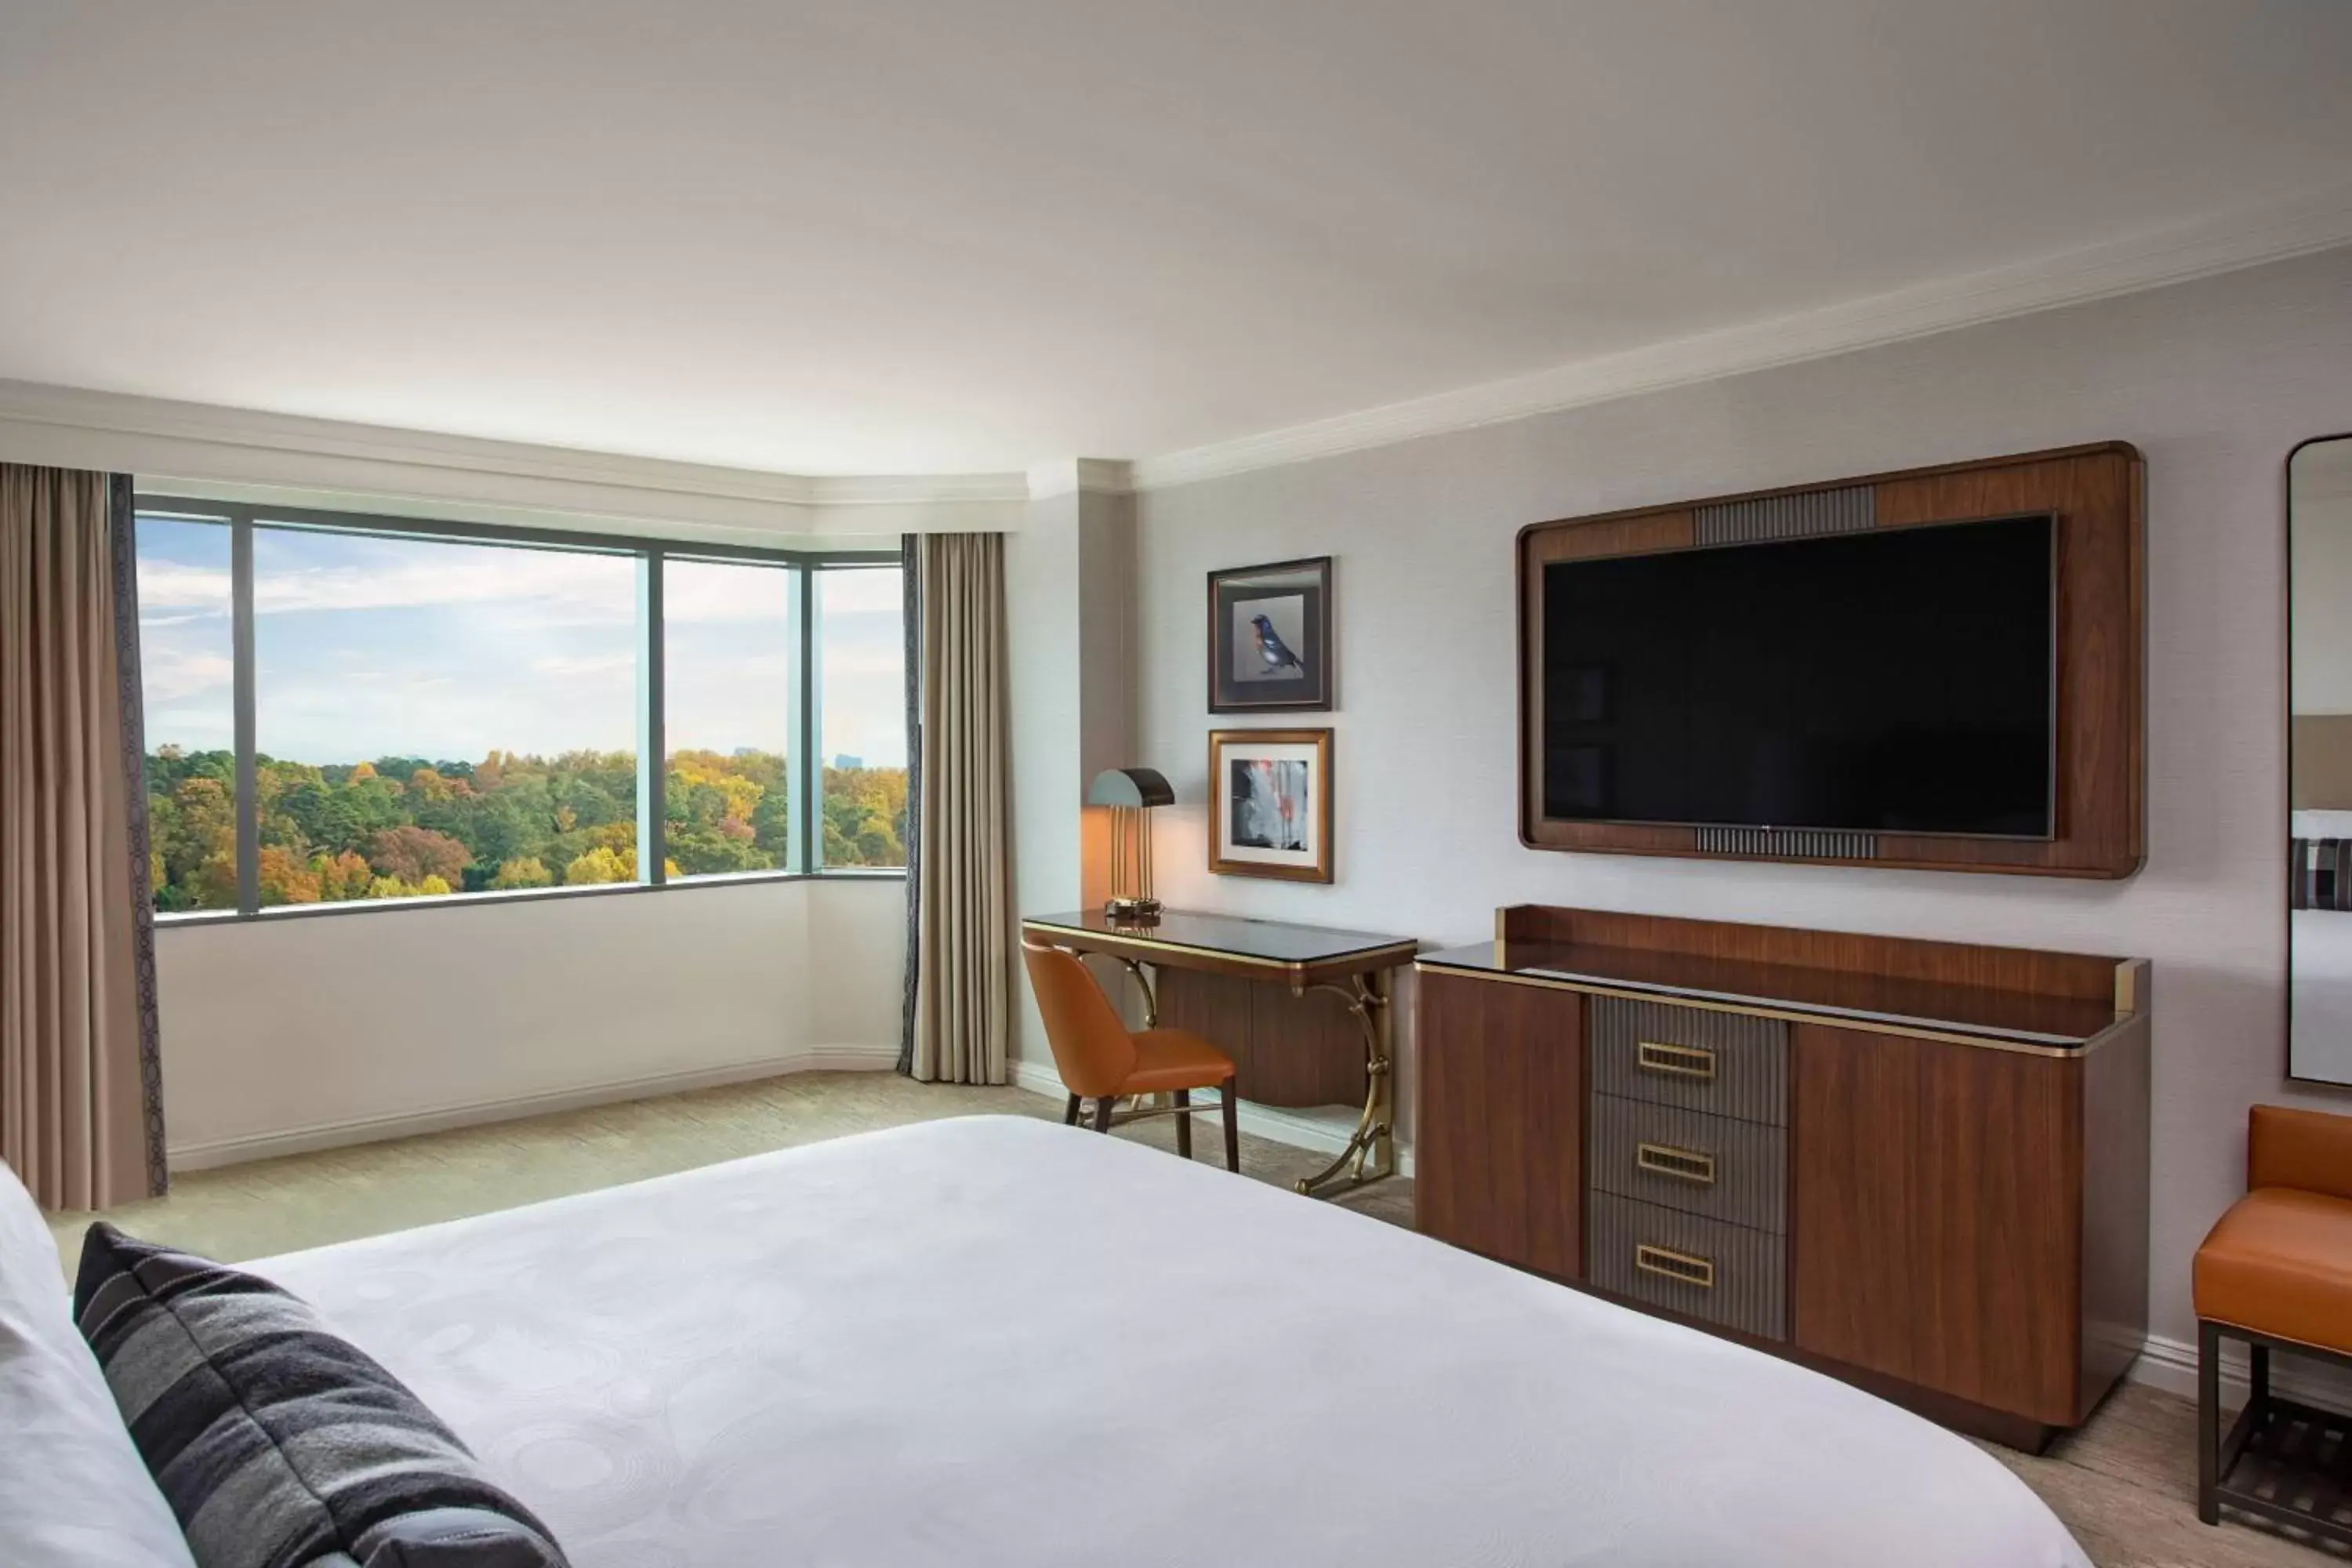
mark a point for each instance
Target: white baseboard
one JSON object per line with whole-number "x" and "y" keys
{"x": 216, "y": 1153}
{"x": 1271, "y": 1122}
{"x": 2171, "y": 1364}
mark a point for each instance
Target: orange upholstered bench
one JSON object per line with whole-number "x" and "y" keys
{"x": 2276, "y": 1273}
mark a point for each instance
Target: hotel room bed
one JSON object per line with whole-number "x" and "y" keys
{"x": 995, "y": 1340}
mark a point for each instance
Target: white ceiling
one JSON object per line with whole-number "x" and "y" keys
{"x": 921, "y": 237}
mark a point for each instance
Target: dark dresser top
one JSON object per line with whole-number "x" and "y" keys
{"x": 1832, "y": 996}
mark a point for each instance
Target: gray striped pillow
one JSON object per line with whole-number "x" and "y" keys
{"x": 277, "y": 1443}
{"x": 2319, "y": 874}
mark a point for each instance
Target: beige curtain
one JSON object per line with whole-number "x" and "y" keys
{"x": 81, "y": 1116}
{"x": 963, "y": 946}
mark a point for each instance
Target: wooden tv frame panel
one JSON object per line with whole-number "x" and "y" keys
{"x": 2098, "y": 496}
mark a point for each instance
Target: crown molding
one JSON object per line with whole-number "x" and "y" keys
{"x": 186, "y": 445}
{"x": 1075, "y": 476}
{"x": 2224, "y": 242}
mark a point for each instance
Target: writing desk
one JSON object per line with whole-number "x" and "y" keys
{"x": 1263, "y": 992}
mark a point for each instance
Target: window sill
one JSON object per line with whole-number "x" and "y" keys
{"x": 520, "y": 896}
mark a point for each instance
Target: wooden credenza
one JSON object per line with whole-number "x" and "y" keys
{"x": 1920, "y": 1166}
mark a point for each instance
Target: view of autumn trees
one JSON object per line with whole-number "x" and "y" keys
{"x": 405, "y": 826}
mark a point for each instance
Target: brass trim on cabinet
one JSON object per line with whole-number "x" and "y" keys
{"x": 1658, "y": 1056}
{"x": 1683, "y": 1164}
{"x": 1680, "y": 1266}
{"x": 1788, "y": 1014}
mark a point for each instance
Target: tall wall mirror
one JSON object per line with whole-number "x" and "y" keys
{"x": 2319, "y": 759}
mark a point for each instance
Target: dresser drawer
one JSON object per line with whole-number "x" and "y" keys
{"x": 1719, "y": 1166}
{"x": 1726, "y": 1064}
{"x": 1703, "y": 1268}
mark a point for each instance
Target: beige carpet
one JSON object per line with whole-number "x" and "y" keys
{"x": 2125, "y": 1484}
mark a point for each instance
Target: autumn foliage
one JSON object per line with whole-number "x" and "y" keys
{"x": 407, "y": 826}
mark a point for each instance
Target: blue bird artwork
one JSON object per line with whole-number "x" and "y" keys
{"x": 1281, "y": 664}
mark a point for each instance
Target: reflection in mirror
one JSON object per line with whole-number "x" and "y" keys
{"x": 2319, "y": 761}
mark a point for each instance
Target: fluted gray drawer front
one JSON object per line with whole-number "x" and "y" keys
{"x": 1726, "y": 1064}
{"x": 1719, "y": 1166}
{"x": 1703, "y": 1268}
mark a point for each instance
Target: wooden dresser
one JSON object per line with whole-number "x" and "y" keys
{"x": 1920, "y": 1166}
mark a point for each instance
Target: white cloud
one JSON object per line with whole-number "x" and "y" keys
{"x": 174, "y": 675}
{"x": 583, "y": 588}
{"x": 701, "y": 592}
{"x": 594, "y": 663}
{"x": 851, "y": 592}
{"x": 170, "y": 585}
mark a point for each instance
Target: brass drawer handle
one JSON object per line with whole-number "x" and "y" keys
{"x": 1682, "y": 1164}
{"x": 1679, "y": 1267}
{"x": 1679, "y": 1061}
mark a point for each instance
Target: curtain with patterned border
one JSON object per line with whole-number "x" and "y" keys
{"x": 910, "y": 578}
{"x": 963, "y": 956}
{"x": 80, "y": 1076}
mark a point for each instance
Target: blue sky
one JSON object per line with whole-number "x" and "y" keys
{"x": 369, "y": 647}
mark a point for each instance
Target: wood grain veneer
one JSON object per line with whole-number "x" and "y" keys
{"x": 1960, "y": 982}
{"x": 1498, "y": 1161}
{"x": 1937, "y": 1215}
{"x": 2114, "y": 1154}
{"x": 2097, "y": 494}
{"x": 1287, "y": 1049}
{"x": 1966, "y": 1217}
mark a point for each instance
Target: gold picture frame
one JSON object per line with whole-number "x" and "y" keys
{"x": 1270, "y": 804}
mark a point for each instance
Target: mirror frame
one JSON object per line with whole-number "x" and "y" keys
{"x": 2287, "y": 778}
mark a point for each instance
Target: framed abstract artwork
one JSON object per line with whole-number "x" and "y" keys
{"x": 1270, "y": 804}
{"x": 1270, "y": 637}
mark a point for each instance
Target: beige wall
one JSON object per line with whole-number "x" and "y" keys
{"x": 2214, "y": 381}
{"x": 304, "y": 1031}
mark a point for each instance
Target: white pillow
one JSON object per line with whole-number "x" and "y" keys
{"x": 73, "y": 1491}
{"x": 2320, "y": 824}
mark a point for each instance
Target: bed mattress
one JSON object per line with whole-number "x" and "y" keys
{"x": 998, "y": 1341}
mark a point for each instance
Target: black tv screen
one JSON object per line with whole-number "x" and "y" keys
{"x": 1896, "y": 681}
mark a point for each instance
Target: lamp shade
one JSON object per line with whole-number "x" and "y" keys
{"x": 1129, "y": 787}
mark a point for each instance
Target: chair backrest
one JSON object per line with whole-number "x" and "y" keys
{"x": 1092, "y": 1049}
{"x": 2310, "y": 1150}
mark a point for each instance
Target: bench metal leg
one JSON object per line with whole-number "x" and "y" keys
{"x": 2209, "y": 1420}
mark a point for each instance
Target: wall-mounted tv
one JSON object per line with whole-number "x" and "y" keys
{"x": 1893, "y": 680}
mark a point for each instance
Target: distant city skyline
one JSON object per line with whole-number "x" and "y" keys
{"x": 367, "y": 647}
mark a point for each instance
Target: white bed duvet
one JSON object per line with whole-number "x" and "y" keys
{"x": 997, "y": 1341}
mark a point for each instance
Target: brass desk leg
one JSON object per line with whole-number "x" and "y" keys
{"x": 1151, "y": 997}
{"x": 1371, "y": 1148}
{"x": 1150, "y": 1021}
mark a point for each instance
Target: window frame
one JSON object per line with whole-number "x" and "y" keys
{"x": 805, "y": 768}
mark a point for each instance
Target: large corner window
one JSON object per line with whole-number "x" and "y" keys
{"x": 345, "y": 709}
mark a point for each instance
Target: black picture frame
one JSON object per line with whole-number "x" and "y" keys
{"x": 1282, "y": 663}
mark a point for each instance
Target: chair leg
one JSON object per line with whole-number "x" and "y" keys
{"x": 1183, "y": 1124}
{"x": 1102, "y": 1112}
{"x": 1071, "y": 1119}
{"x": 2209, "y": 1420}
{"x": 1233, "y": 1127}
{"x": 2258, "y": 1358}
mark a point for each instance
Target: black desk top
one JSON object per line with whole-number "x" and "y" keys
{"x": 1263, "y": 941}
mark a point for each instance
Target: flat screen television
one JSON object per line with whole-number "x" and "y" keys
{"x": 1893, "y": 680}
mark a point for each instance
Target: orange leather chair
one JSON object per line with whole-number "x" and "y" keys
{"x": 2276, "y": 1273}
{"x": 1100, "y": 1060}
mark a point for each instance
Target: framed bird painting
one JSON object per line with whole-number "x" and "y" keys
{"x": 1270, "y": 637}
